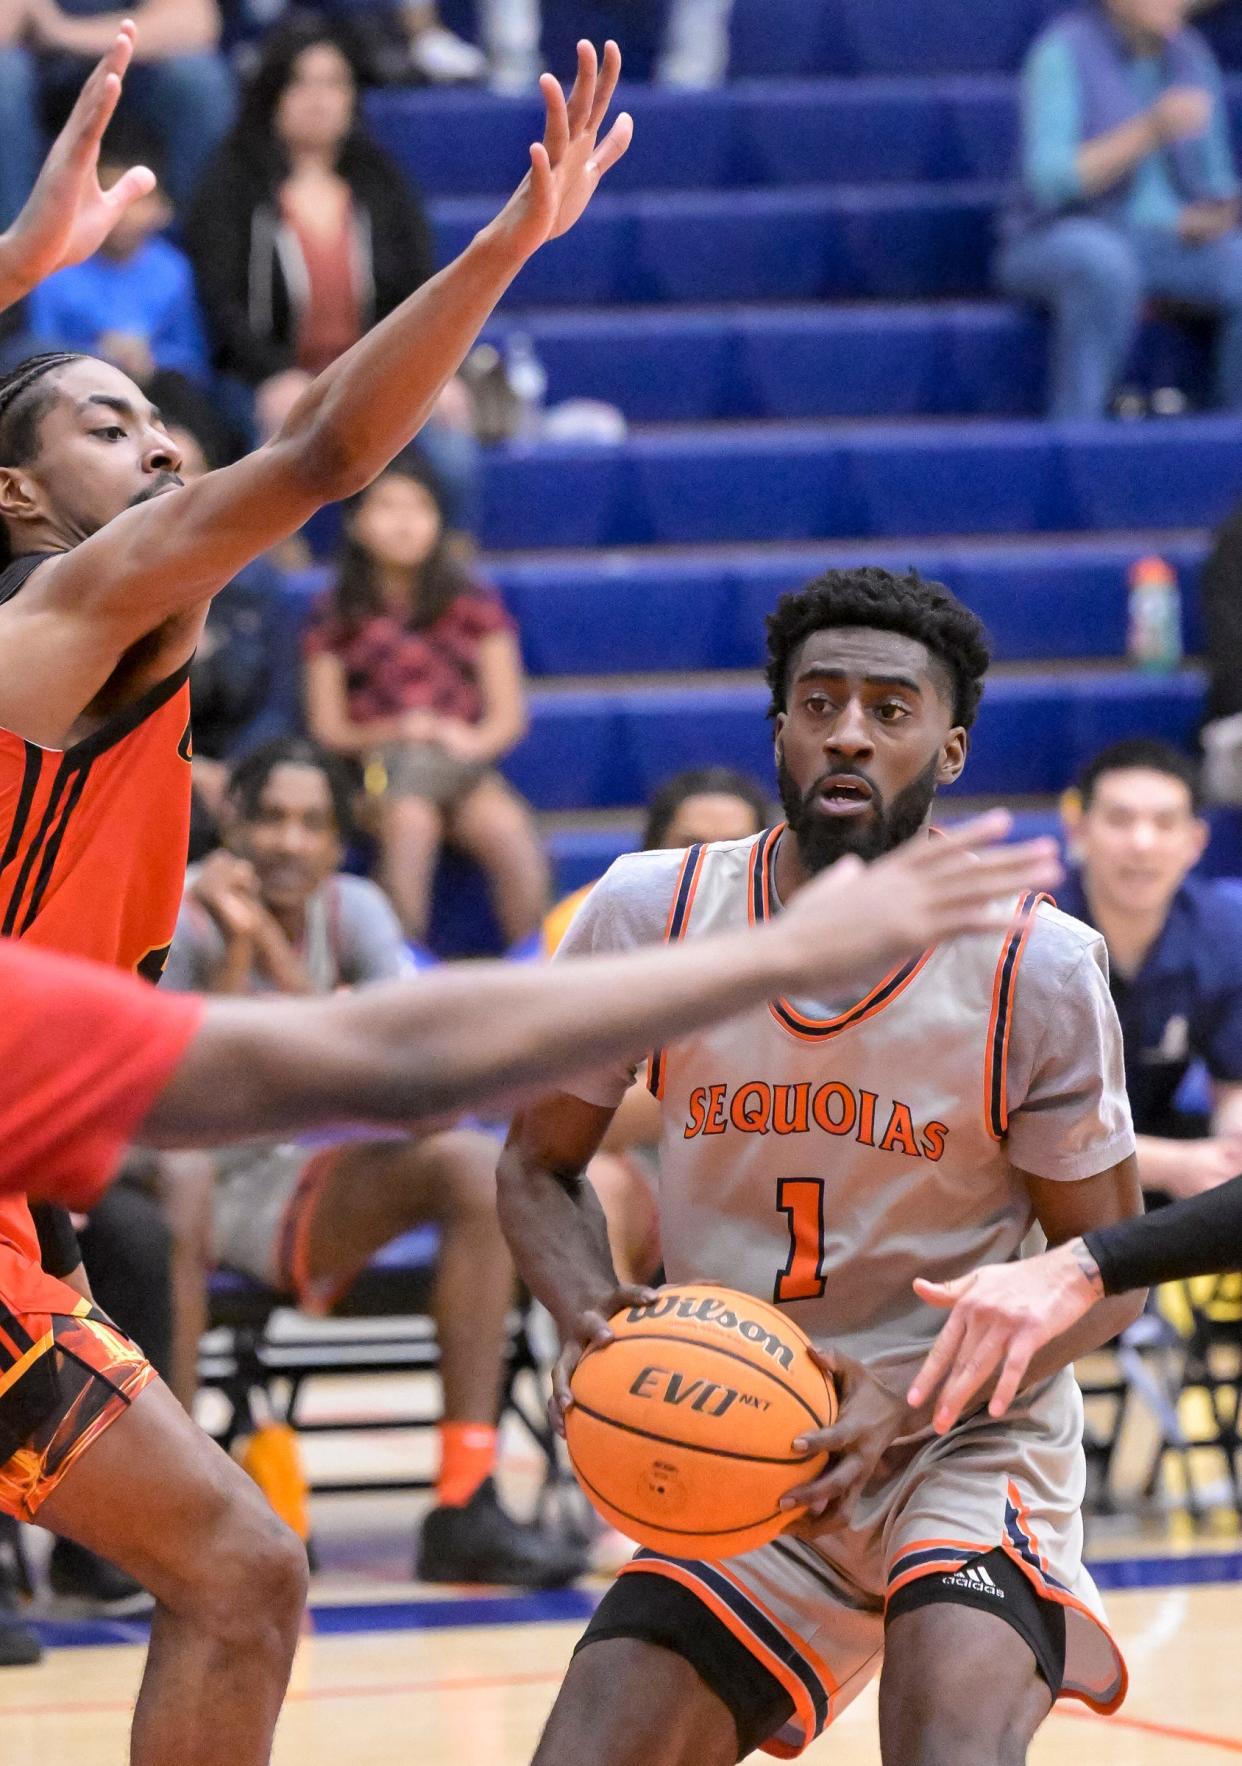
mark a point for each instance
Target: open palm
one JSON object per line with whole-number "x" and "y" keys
{"x": 567, "y": 165}
{"x": 68, "y": 215}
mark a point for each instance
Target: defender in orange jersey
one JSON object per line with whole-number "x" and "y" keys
{"x": 107, "y": 566}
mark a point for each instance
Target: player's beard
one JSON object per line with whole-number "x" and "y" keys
{"x": 822, "y": 839}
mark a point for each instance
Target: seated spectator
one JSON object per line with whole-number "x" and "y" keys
{"x": 1174, "y": 952}
{"x": 305, "y": 234}
{"x": 694, "y": 56}
{"x": 180, "y": 87}
{"x": 133, "y": 303}
{"x": 712, "y": 803}
{"x": 415, "y": 670}
{"x": 1129, "y": 193}
{"x": 272, "y": 913}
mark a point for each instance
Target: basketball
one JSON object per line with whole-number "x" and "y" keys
{"x": 682, "y": 1428}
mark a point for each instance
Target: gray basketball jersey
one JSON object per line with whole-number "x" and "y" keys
{"x": 822, "y": 1155}
{"x": 824, "y": 1162}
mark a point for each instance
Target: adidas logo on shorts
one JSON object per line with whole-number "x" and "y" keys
{"x": 976, "y": 1580}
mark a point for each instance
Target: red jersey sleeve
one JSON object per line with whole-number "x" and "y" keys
{"x": 84, "y": 1052}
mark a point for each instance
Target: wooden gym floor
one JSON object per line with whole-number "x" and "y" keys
{"x": 476, "y": 1695}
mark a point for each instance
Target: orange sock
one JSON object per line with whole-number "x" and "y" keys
{"x": 467, "y": 1456}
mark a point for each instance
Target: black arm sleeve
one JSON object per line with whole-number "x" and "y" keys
{"x": 1200, "y": 1236}
{"x": 59, "y": 1251}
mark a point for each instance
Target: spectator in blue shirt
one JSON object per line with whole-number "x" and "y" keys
{"x": 1128, "y": 192}
{"x": 134, "y": 302}
{"x": 1175, "y": 957}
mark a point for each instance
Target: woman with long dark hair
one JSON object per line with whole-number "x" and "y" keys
{"x": 305, "y": 233}
{"x": 414, "y": 669}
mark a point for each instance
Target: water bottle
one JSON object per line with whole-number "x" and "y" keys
{"x": 528, "y": 382}
{"x": 1154, "y": 638}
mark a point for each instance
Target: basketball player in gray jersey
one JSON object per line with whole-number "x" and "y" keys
{"x": 821, "y": 1153}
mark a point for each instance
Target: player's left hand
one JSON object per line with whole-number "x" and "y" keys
{"x": 870, "y": 1419}
{"x": 68, "y": 215}
{"x": 567, "y": 165}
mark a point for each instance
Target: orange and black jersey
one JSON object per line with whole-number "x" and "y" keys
{"x": 93, "y": 838}
{"x": 93, "y": 842}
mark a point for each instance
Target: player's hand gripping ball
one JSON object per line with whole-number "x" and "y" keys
{"x": 681, "y": 1430}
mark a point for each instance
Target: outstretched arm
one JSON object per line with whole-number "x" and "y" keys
{"x": 95, "y": 1058}
{"x": 1017, "y": 1309}
{"x": 68, "y": 216}
{"x": 459, "y": 1036}
{"x": 166, "y": 556}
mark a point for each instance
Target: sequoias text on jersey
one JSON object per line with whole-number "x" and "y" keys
{"x": 832, "y": 1108}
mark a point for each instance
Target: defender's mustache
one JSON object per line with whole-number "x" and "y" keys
{"x": 165, "y": 481}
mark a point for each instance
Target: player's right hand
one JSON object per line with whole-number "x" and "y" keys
{"x": 924, "y": 891}
{"x": 589, "y": 1330}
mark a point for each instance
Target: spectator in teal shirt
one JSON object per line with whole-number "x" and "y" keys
{"x": 1128, "y": 192}
{"x": 134, "y": 302}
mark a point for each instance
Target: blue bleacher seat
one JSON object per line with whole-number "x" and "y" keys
{"x": 714, "y": 485}
{"x": 753, "y": 133}
{"x": 881, "y": 359}
{"x": 816, "y": 242}
{"x": 626, "y": 614}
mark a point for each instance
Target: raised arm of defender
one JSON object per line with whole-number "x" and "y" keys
{"x": 167, "y": 556}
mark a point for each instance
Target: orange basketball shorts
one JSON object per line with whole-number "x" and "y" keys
{"x": 65, "y": 1377}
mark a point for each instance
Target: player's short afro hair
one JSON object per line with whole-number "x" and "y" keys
{"x": 873, "y": 597}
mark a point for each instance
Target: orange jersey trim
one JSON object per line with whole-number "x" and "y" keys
{"x": 1004, "y": 990}
{"x": 800, "y": 1024}
{"x": 684, "y": 892}
{"x": 733, "y": 1622}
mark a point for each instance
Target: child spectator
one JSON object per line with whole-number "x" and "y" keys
{"x": 415, "y": 670}
{"x": 133, "y": 302}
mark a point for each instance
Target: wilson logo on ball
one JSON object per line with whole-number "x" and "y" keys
{"x": 683, "y": 1424}
{"x": 663, "y": 1386}
{"x": 708, "y": 1311}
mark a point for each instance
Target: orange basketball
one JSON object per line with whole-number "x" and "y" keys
{"x": 682, "y": 1428}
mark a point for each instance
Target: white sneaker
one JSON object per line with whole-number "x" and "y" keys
{"x": 445, "y": 59}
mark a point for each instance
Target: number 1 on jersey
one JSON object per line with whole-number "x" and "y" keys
{"x": 801, "y": 1200}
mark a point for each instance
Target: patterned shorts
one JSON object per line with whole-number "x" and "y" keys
{"x": 64, "y": 1379}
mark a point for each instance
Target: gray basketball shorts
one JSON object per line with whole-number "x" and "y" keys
{"x": 813, "y": 1614}
{"x": 264, "y": 1203}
